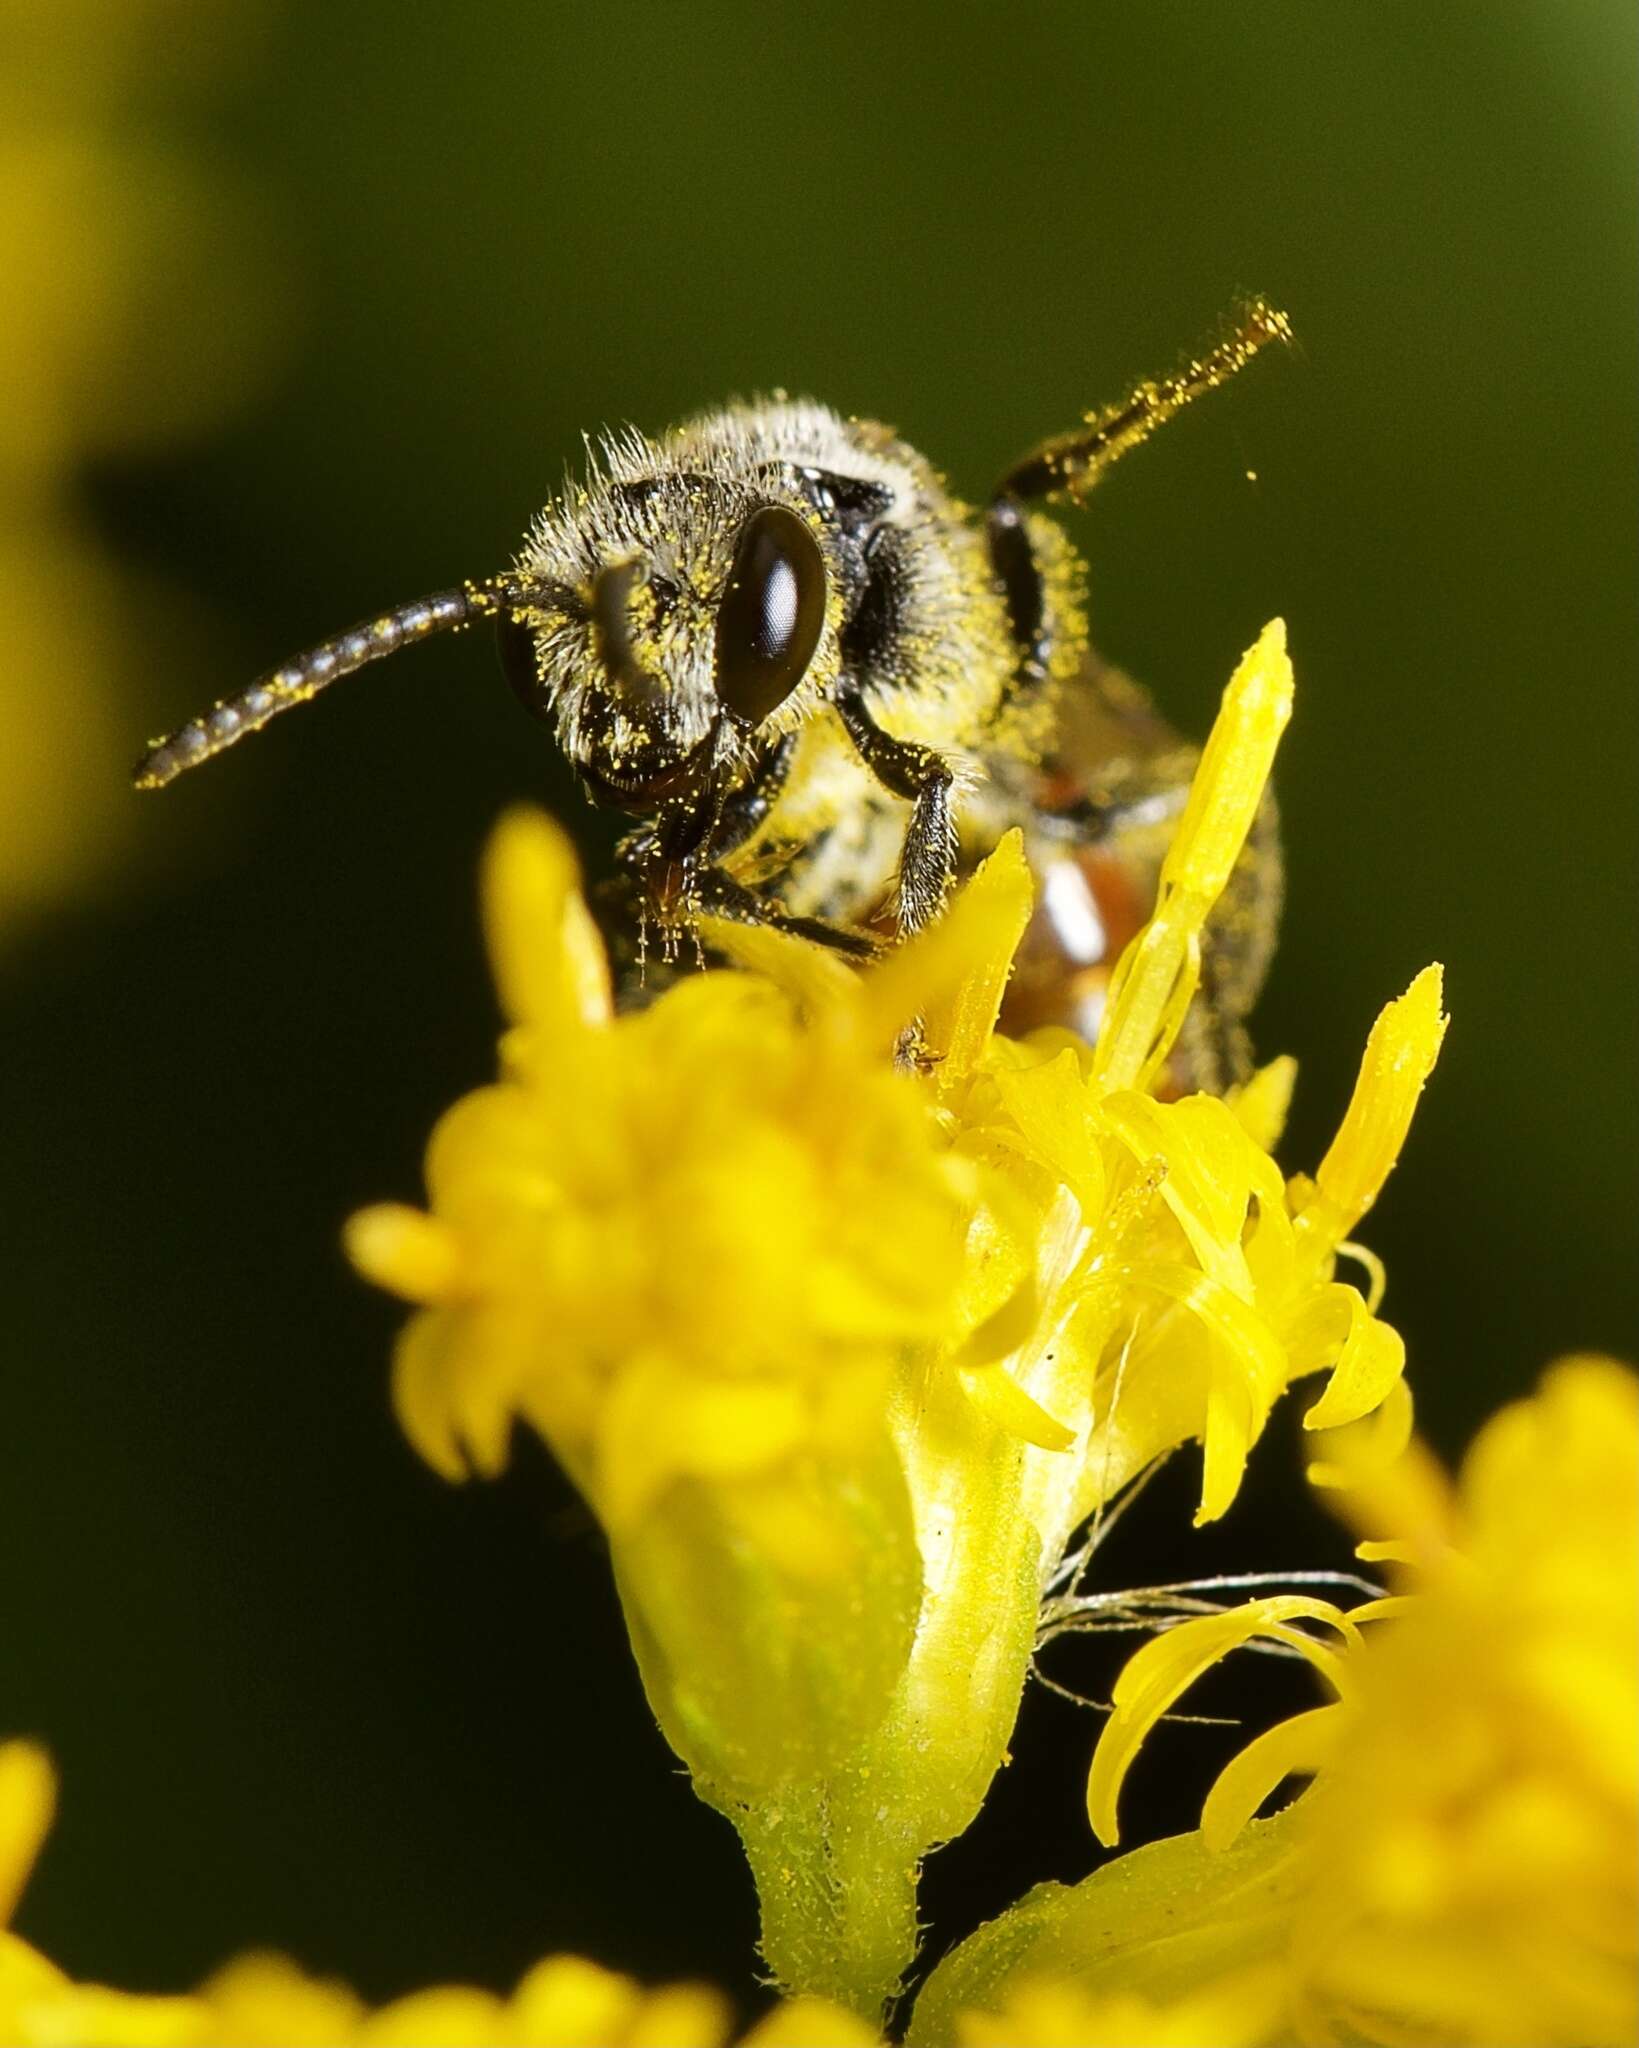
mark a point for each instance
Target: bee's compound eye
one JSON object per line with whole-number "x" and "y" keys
{"x": 515, "y": 644}
{"x": 771, "y": 616}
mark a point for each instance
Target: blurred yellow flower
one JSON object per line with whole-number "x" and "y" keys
{"x": 264, "y": 2001}
{"x": 136, "y": 312}
{"x": 1463, "y": 1869}
{"x": 844, "y": 1311}
{"x": 1047, "y": 2012}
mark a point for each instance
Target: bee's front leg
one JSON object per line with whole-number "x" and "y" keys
{"x": 927, "y": 861}
{"x": 746, "y": 808}
{"x": 718, "y": 894}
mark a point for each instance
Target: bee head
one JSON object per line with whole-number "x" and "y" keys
{"x": 662, "y": 621}
{"x": 681, "y": 602}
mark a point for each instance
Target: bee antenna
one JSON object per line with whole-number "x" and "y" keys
{"x": 1070, "y": 464}
{"x": 296, "y": 681}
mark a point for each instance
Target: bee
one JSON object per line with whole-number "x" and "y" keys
{"x": 821, "y": 688}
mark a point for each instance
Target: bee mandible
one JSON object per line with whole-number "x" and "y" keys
{"x": 822, "y": 687}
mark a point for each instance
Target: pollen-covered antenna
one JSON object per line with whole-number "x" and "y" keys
{"x": 304, "y": 677}
{"x": 1072, "y": 463}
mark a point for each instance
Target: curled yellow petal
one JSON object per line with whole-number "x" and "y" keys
{"x": 1300, "y": 1745}
{"x": 1249, "y": 1370}
{"x": 1169, "y": 1665}
{"x": 1369, "y": 1356}
{"x": 993, "y": 1390}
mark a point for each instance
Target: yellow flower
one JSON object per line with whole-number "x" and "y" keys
{"x": 1478, "y": 1827}
{"x": 1047, "y": 2012}
{"x": 1464, "y": 1864}
{"x": 135, "y": 312}
{"x": 844, "y": 1311}
{"x": 265, "y": 2001}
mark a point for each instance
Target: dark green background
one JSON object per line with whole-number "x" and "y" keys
{"x": 303, "y": 1693}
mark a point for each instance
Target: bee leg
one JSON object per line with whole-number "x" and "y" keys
{"x": 746, "y": 808}
{"x": 717, "y": 894}
{"x": 927, "y": 861}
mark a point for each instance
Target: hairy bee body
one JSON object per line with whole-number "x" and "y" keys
{"x": 821, "y": 686}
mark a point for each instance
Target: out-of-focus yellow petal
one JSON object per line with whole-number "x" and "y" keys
{"x": 449, "y": 2016}
{"x": 28, "y": 1798}
{"x": 810, "y": 2023}
{"x": 1236, "y": 2012}
{"x": 549, "y": 962}
{"x": 265, "y": 2001}
{"x": 407, "y": 1252}
{"x": 813, "y": 977}
{"x": 1170, "y": 1944}
{"x": 657, "y": 1426}
{"x": 1261, "y": 1104}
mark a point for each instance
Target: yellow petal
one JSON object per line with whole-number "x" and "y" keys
{"x": 263, "y": 1999}
{"x": 28, "y": 1798}
{"x": 814, "y": 978}
{"x": 993, "y": 1390}
{"x": 1249, "y": 1370}
{"x": 659, "y": 1424}
{"x": 1155, "y": 978}
{"x": 1260, "y": 1105}
{"x": 1301, "y": 1744}
{"x": 425, "y": 1394}
{"x": 1051, "y": 1106}
{"x": 447, "y": 2016}
{"x": 953, "y": 975}
{"x": 1400, "y": 1053}
{"x": 549, "y": 962}
{"x": 811, "y": 2023}
{"x": 1370, "y": 1356}
{"x": 409, "y": 1253}
{"x": 1166, "y": 1667}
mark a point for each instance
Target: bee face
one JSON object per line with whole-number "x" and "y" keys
{"x": 668, "y": 618}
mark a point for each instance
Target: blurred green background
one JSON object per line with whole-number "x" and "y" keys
{"x": 301, "y": 1692}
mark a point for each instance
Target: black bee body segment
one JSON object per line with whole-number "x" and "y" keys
{"x": 822, "y": 685}
{"x": 1013, "y": 562}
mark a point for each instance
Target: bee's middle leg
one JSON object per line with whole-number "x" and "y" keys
{"x": 927, "y": 860}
